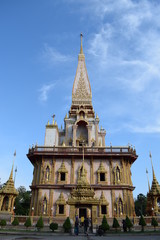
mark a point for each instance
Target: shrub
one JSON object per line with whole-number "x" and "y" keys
{"x": 115, "y": 224}
{"x": 28, "y": 223}
{"x": 142, "y": 223}
{"x": 154, "y": 223}
{"x": 3, "y": 223}
{"x": 53, "y": 226}
{"x": 129, "y": 224}
{"x": 67, "y": 225}
{"x": 15, "y": 222}
{"x": 39, "y": 223}
{"x": 105, "y": 225}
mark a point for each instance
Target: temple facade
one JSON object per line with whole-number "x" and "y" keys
{"x": 75, "y": 173}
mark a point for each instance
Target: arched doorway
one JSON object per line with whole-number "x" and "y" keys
{"x": 5, "y": 203}
{"x": 81, "y": 133}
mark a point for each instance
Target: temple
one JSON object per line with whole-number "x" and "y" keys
{"x": 153, "y": 195}
{"x": 8, "y": 193}
{"x": 75, "y": 173}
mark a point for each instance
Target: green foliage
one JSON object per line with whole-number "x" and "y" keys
{"x": 105, "y": 225}
{"x": 53, "y": 226}
{"x": 115, "y": 223}
{"x": 129, "y": 224}
{"x": 142, "y": 222}
{"x": 40, "y": 223}
{"x": 140, "y": 205}
{"x": 3, "y": 223}
{"x": 28, "y": 223}
{"x": 22, "y": 201}
{"x": 67, "y": 225}
{"x": 15, "y": 222}
{"x": 154, "y": 223}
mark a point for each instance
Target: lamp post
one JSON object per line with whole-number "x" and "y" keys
{"x": 32, "y": 211}
{"x": 114, "y": 212}
{"x": 152, "y": 211}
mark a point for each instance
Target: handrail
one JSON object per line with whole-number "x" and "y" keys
{"x": 107, "y": 149}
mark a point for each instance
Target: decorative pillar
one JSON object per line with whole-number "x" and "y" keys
{"x": 91, "y": 171}
{"x": 53, "y": 171}
{"x": 110, "y": 170}
{"x": 96, "y": 133}
{"x": 89, "y": 127}
{"x": 94, "y": 216}
{"x": 113, "y": 202}
{"x": 72, "y": 171}
{"x": 103, "y": 139}
{"x": 74, "y": 135}
{"x": 72, "y": 213}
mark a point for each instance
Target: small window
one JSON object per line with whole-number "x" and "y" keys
{"x": 70, "y": 143}
{"x": 103, "y": 209}
{"x": 61, "y": 209}
{"x": 102, "y": 177}
{"x": 63, "y": 176}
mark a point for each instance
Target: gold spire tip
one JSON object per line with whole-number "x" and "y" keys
{"x": 81, "y": 50}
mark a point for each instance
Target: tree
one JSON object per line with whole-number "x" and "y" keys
{"x": 28, "y": 223}
{"x": 142, "y": 222}
{"x": 39, "y": 223}
{"x": 154, "y": 223}
{"x": 105, "y": 225}
{"x": 115, "y": 224}
{"x": 22, "y": 202}
{"x": 140, "y": 205}
{"x": 53, "y": 226}
{"x": 129, "y": 224}
{"x": 67, "y": 225}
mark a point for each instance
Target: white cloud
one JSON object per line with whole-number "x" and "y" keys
{"x": 126, "y": 51}
{"x": 44, "y": 91}
{"x": 52, "y": 56}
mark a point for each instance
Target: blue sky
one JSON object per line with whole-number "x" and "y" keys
{"x": 39, "y": 46}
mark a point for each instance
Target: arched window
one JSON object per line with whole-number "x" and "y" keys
{"x": 45, "y": 206}
{"x": 47, "y": 173}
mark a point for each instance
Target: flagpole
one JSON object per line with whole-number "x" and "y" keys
{"x": 16, "y": 167}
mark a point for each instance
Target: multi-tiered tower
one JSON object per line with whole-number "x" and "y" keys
{"x": 75, "y": 172}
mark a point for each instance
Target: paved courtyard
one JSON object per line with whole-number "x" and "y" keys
{"x": 81, "y": 237}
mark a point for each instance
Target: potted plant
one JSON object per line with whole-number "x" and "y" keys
{"x": 154, "y": 223}
{"x": 15, "y": 222}
{"x": 53, "y": 226}
{"x": 115, "y": 224}
{"x": 129, "y": 224}
{"x": 40, "y": 224}
{"x": 67, "y": 225}
{"x": 28, "y": 223}
{"x": 142, "y": 223}
{"x": 3, "y": 223}
{"x": 104, "y": 225}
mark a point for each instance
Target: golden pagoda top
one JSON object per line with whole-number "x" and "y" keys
{"x": 81, "y": 92}
{"x": 9, "y": 187}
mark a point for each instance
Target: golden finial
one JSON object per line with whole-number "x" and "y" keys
{"x": 53, "y": 116}
{"x": 55, "y": 123}
{"x": 48, "y": 122}
{"x": 66, "y": 116}
{"x": 150, "y": 155}
{"x": 148, "y": 179}
{"x": 81, "y": 50}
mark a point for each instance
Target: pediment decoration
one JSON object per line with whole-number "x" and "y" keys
{"x": 62, "y": 169}
{"x": 81, "y": 92}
